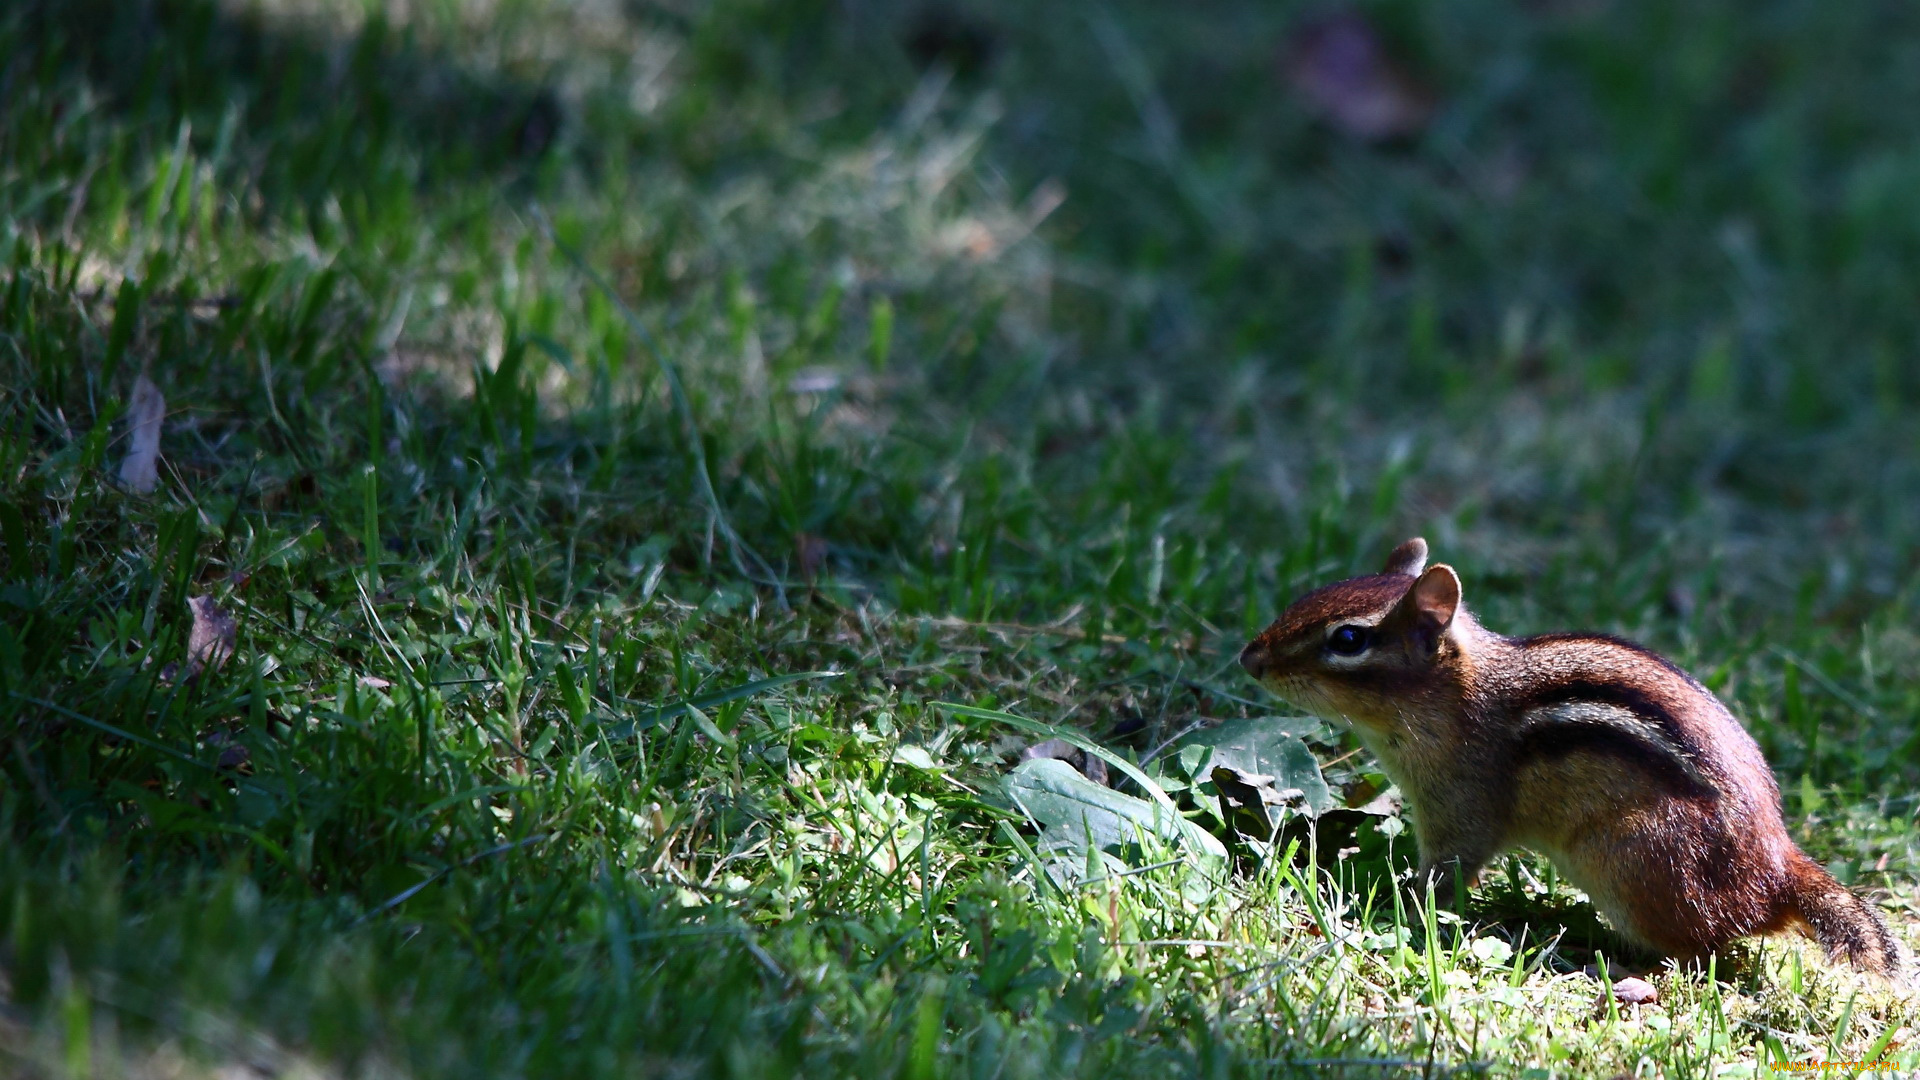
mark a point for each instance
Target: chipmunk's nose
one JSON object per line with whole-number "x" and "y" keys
{"x": 1254, "y": 658}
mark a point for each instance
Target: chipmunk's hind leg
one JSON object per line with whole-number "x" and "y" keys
{"x": 1844, "y": 925}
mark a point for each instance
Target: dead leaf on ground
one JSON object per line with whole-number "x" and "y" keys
{"x": 233, "y": 755}
{"x": 139, "y": 470}
{"x": 210, "y": 642}
{"x": 1629, "y": 991}
{"x": 810, "y": 552}
{"x": 1089, "y": 765}
{"x": 816, "y": 380}
{"x": 1244, "y": 801}
{"x": 1341, "y": 66}
{"x": 1057, "y": 749}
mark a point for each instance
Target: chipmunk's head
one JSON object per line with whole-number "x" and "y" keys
{"x": 1369, "y": 648}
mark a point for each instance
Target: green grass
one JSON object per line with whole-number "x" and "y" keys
{"x": 616, "y": 427}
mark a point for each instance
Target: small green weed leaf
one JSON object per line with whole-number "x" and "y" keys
{"x": 1068, "y": 735}
{"x": 1811, "y": 800}
{"x": 915, "y": 756}
{"x": 1491, "y": 951}
{"x": 1265, "y": 746}
{"x": 1194, "y": 760}
{"x": 1074, "y": 810}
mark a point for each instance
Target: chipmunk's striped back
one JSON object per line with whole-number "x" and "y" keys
{"x": 1599, "y": 694}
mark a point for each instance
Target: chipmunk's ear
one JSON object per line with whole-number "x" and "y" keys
{"x": 1429, "y": 606}
{"x": 1436, "y": 596}
{"x": 1409, "y": 558}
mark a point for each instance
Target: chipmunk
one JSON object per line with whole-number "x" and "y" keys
{"x": 1631, "y": 776}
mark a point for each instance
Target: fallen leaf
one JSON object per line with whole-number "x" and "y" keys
{"x": 1341, "y": 66}
{"x": 1044, "y": 200}
{"x": 1057, "y": 749}
{"x": 210, "y": 642}
{"x": 1090, "y": 766}
{"x": 814, "y": 381}
{"x": 915, "y": 756}
{"x": 1074, "y": 810}
{"x": 1636, "y": 992}
{"x": 810, "y": 552}
{"x": 1385, "y": 804}
{"x": 1244, "y": 798}
{"x": 234, "y": 757}
{"x": 139, "y": 470}
{"x": 1629, "y": 991}
{"x": 1270, "y": 747}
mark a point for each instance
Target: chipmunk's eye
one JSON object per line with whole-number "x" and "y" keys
{"x": 1349, "y": 640}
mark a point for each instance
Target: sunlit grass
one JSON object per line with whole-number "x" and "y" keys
{"x": 616, "y": 431}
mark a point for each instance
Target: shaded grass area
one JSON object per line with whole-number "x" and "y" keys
{"x": 615, "y": 429}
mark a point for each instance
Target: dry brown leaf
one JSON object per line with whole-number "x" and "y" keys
{"x": 1090, "y": 766}
{"x": 1341, "y": 66}
{"x": 1244, "y": 799}
{"x": 1629, "y": 991}
{"x": 1057, "y": 749}
{"x": 1636, "y": 992}
{"x": 1048, "y": 197}
{"x": 810, "y": 552}
{"x": 139, "y": 470}
{"x": 233, "y": 754}
{"x": 210, "y": 642}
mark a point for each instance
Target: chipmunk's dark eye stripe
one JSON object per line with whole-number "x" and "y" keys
{"x": 1349, "y": 640}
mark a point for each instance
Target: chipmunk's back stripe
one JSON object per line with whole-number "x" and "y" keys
{"x": 1616, "y": 694}
{"x": 1551, "y": 732}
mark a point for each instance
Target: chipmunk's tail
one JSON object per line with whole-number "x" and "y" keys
{"x": 1844, "y": 925}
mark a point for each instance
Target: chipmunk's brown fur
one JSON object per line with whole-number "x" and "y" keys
{"x": 1628, "y": 774}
